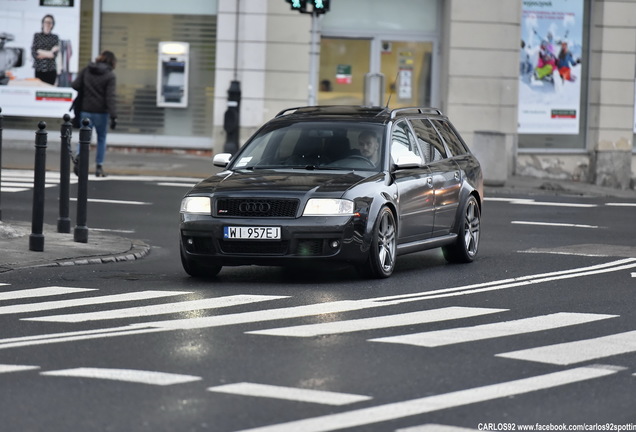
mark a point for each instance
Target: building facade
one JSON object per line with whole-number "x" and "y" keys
{"x": 452, "y": 54}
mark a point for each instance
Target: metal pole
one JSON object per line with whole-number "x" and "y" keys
{"x": 314, "y": 53}
{"x": 80, "y": 234}
{"x": 64, "y": 221}
{"x": 0, "y": 162}
{"x": 36, "y": 239}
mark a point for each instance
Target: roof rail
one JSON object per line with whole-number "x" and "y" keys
{"x": 287, "y": 110}
{"x": 416, "y": 110}
{"x": 330, "y": 109}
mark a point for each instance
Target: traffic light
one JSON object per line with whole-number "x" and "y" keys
{"x": 299, "y": 5}
{"x": 319, "y": 6}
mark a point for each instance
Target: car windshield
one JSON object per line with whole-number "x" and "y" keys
{"x": 315, "y": 145}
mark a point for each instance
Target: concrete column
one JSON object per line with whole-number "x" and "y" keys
{"x": 612, "y": 164}
{"x": 490, "y": 149}
{"x": 611, "y": 93}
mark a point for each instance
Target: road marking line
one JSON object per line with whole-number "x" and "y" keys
{"x": 188, "y": 185}
{"x": 432, "y": 427}
{"x": 13, "y": 189}
{"x": 107, "y": 201}
{"x": 568, "y": 225}
{"x": 41, "y": 292}
{"x": 16, "y": 368}
{"x": 387, "y": 321}
{"x": 612, "y": 266}
{"x": 307, "y": 310}
{"x": 24, "y": 184}
{"x": 578, "y": 351}
{"x": 290, "y": 393}
{"x": 494, "y": 330}
{"x": 398, "y": 410}
{"x": 123, "y": 231}
{"x": 527, "y": 201}
{"x": 621, "y": 204}
{"x": 563, "y": 253}
{"x": 168, "y": 308}
{"x": 128, "y": 375}
{"x": 59, "y": 304}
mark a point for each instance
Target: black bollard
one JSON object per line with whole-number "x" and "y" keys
{"x": 80, "y": 234}
{"x": 64, "y": 221}
{"x": 36, "y": 239}
{"x": 0, "y": 163}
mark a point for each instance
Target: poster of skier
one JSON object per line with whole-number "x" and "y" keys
{"x": 550, "y": 67}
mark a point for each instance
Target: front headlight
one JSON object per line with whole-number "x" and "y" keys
{"x": 201, "y": 205}
{"x": 328, "y": 207}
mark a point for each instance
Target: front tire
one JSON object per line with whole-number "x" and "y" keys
{"x": 465, "y": 248}
{"x": 382, "y": 254}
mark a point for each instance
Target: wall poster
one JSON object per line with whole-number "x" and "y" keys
{"x": 550, "y": 67}
{"x": 39, "y": 51}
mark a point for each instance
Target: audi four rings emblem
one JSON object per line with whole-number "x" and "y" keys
{"x": 254, "y": 207}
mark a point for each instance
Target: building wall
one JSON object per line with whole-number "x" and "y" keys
{"x": 479, "y": 67}
{"x": 270, "y": 59}
{"x": 482, "y": 52}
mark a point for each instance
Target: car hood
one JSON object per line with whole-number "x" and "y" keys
{"x": 291, "y": 182}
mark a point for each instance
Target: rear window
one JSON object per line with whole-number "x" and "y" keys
{"x": 454, "y": 143}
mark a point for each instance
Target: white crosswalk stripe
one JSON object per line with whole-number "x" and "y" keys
{"x": 59, "y": 304}
{"x": 566, "y": 353}
{"x": 494, "y": 330}
{"x": 127, "y": 375}
{"x": 578, "y": 351}
{"x": 22, "y": 180}
{"x": 397, "y": 410}
{"x": 167, "y": 308}
{"x": 387, "y": 321}
{"x": 289, "y": 393}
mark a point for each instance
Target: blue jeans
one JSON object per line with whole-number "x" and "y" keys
{"x": 99, "y": 121}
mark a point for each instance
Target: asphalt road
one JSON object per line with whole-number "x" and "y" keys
{"x": 540, "y": 330}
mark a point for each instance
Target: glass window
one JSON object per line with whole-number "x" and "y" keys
{"x": 454, "y": 143}
{"x": 429, "y": 140}
{"x": 403, "y": 142}
{"x": 396, "y": 15}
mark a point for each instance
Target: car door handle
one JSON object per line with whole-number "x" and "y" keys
{"x": 457, "y": 175}
{"x": 429, "y": 181}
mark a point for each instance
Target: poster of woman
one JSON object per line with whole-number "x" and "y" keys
{"x": 551, "y": 55}
{"x": 39, "y": 42}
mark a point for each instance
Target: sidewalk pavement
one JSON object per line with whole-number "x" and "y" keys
{"x": 61, "y": 250}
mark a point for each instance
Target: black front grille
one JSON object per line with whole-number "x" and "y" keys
{"x": 253, "y": 208}
{"x": 254, "y": 247}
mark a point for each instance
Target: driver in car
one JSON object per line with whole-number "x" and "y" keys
{"x": 369, "y": 146}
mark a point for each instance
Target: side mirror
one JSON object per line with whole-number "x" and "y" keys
{"x": 408, "y": 161}
{"x": 221, "y": 159}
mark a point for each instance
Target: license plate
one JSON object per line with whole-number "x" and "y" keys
{"x": 251, "y": 233}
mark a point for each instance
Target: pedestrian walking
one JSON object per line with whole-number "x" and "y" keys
{"x": 97, "y": 83}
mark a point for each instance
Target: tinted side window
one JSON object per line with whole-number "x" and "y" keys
{"x": 454, "y": 143}
{"x": 403, "y": 141}
{"x": 429, "y": 140}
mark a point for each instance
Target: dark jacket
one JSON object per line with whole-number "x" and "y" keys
{"x": 97, "y": 83}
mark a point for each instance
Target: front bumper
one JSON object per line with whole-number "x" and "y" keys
{"x": 305, "y": 238}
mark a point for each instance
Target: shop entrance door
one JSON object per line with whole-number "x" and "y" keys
{"x": 362, "y": 71}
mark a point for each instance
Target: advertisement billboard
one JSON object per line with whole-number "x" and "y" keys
{"x": 39, "y": 51}
{"x": 550, "y": 67}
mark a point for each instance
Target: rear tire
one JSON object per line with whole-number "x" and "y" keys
{"x": 195, "y": 269}
{"x": 382, "y": 254}
{"x": 465, "y": 248}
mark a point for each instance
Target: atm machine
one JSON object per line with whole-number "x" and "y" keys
{"x": 172, "y": 74}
